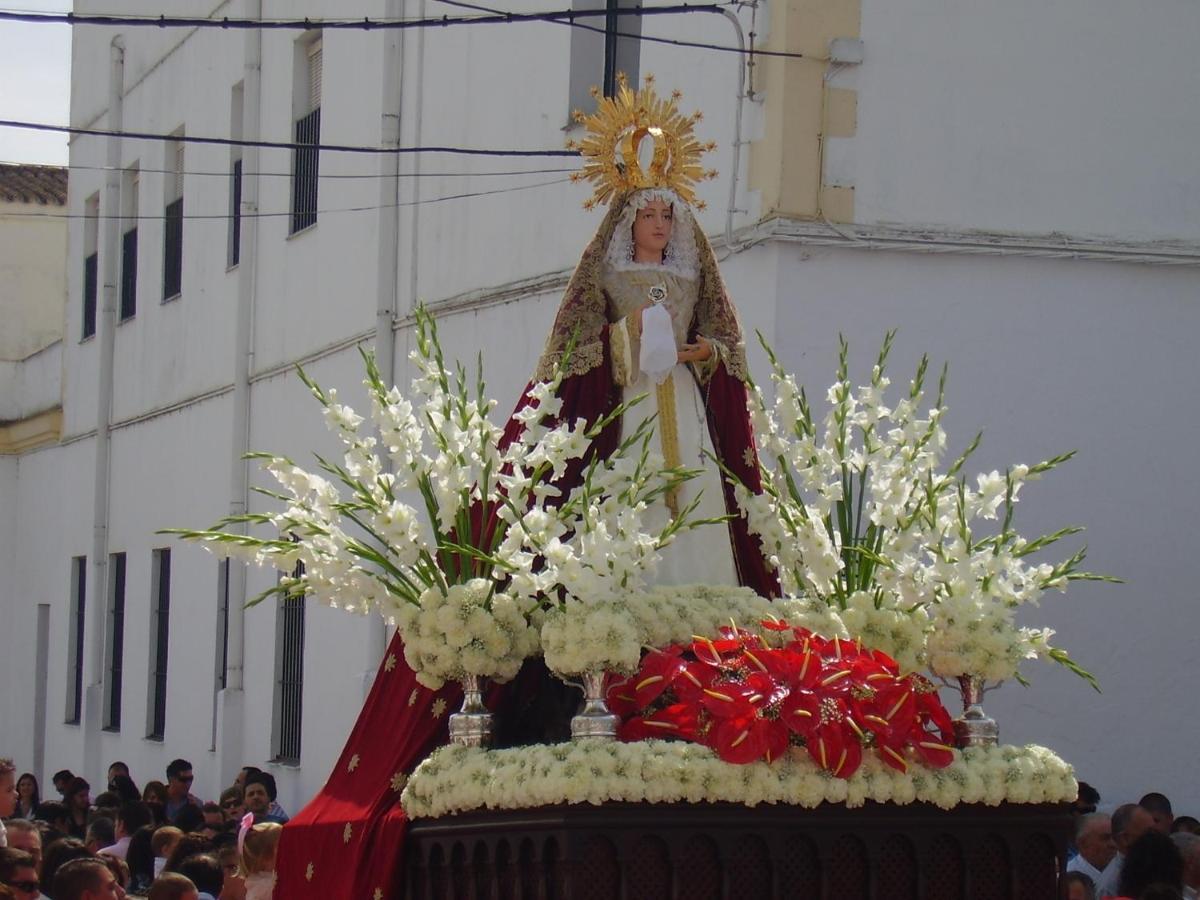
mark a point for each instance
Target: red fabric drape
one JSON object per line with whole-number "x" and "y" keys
{"x": 348, "y": 843}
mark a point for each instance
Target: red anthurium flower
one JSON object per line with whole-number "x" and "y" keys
{"x": 933, "y": 752}
{"x": 658, "y": 672}
{"x": 743, "y": 739}
{"x": 622, "y": 699}
{"x": 801, "y": 712}
{"x": 679, "y": 720}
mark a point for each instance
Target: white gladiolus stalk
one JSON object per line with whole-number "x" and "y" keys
{"x": 430, "y": 520}
{"x": 862, "y": 515}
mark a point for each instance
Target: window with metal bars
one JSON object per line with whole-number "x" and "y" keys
{"x": 129, "y": 245}
{"x": 173, "y": 223}
{"x": 237, "y": 103}
{"x": 75, "y": 639}
{"x": 289, "y": 679}
{"x": 160, "y": 630}
{"x": 116, "y": 642}
{"x": 306, "y": 160}
{"x": 91, "y": 257}
{"x": 90, "y": 288}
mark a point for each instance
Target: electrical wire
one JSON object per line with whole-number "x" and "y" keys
{"x": 136, "y": 170}
{"x": 566, "y": 17}
{"x": 276, "y": 145}
{"x": 276, "y": 215}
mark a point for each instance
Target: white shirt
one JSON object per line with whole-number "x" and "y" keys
{"x": 1082, "y": 866}
{"x": 120, "y": 849}
{"x": 3, "y": 835}
{"x": 1106, "y": 886}
{"x": 1189, "y": 893}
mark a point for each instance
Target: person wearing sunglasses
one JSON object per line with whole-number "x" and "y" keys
{"x": 179, "y": 788}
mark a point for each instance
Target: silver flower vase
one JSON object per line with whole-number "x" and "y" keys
{"x": 471, "y": 726}
{"x": 595, "y": 720}
{"x": 974, "y": 728}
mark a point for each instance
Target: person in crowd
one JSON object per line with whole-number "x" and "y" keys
{"x": 173, "y": 886}
{"x": 164, "y": 842}
{"x": 1152, "y": 859}
{"x": 203, "y": 870}
{"x": 130, "y": 817}
{"x": 214, "y": 816}
{"x": 188, "y": 845}
{"x": 259, "y": 794}
{"x": 115, "y": 769}
{"x": 8, "y": 795}
{"x": 79, "y": 802}
{"x": 190, "y": 818}
{"x": 1094, "y": 840}
{"x": 62, "y": 780}
{"x": 28, "y": 796}
{"x": 259, "y": 843}
{"x": 140, "y": 857}
{"x": 154, "y": 792}
{"x": 86, "y": 879}
{"x": 57, "y": 819}
{"x": 1160, "y": 808}
{"x": 1189, "y": 848}
{"x": 274, "y": 809}
{"x": 119, "y": 869}
{"x": 227, "y": 855}
{"x": 1129, "y": 822}
{"x": 19, "y": 873}
{"x": 58, "y": 854}
{"x": 1189, "y": 824}
{"x": 179, "y": 787}
{"x": 101, "y": 832}
{"x": 125, "y": 789}
{"x": 231, "y": 804}
{"x": 1076, "y": 886}
{"x": 1086, "y": 801}
{"x": 25, "y": 835}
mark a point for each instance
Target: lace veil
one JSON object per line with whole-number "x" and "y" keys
{"x": 583, "y": 314}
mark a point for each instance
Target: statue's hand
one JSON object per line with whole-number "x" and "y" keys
{"x": 697, "y": 352}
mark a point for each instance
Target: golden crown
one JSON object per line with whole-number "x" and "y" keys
{"x": 616, "y": 131}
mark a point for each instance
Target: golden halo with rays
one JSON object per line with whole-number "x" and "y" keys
{"x": 616, "y": 131}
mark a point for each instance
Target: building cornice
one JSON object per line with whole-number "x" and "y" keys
{"x": 23, "y": 435}
{"x": 929, "y": 239}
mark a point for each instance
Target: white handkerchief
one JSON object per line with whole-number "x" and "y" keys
{"x": 658, "y": 354}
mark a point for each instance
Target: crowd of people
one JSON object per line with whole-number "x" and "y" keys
{"x": 1141, "y": 851}
{"x": 159, "y": 842}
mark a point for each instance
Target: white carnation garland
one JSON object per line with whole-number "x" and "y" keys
{"x": 461, "y": 779}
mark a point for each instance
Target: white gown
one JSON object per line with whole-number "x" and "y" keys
{"x": 702, "y": 555}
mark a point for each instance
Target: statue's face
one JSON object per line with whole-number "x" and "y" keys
{"x": 652, "y": 230}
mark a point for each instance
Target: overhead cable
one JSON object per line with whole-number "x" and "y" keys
{"x": 139, "y": 170}
{"x": 567, "y": 17}
{"x": 277, "y": 145}
{"x": 276, "y": 215}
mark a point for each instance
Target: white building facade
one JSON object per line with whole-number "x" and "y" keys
{"x": 1012, "y": 187}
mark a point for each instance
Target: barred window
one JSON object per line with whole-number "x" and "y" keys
{"x": 173, "y": 222}
{"x": 160, "y": 631}
{"x": 115, "y": 645}
{"x": 75, "y": 639}
{"x": 306, "y": 160}
{"x": 91, "y": 283}
{"x": 597, "y": 57}
{"x": 129, "y": 244}
{"x": 289, "y": 676}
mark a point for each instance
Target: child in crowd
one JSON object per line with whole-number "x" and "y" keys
{"x": 258, "y": 857}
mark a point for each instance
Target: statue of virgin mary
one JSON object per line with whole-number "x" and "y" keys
{"x": 646, "y": 313}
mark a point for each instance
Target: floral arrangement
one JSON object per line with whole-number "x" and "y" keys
{"x": 434, "y": 519}
{"x": 459, "y": 779}
{"x": 862, "y": 515}
{"x": 749, "y": 700}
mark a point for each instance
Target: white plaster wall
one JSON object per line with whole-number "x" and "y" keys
{"x": 1073, "y": 115}
{"x": 1048, "y": 356}
{"x": 31, "y": 385}
{"x": 33, "y": 254}
{"x": 47, "y": 523}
